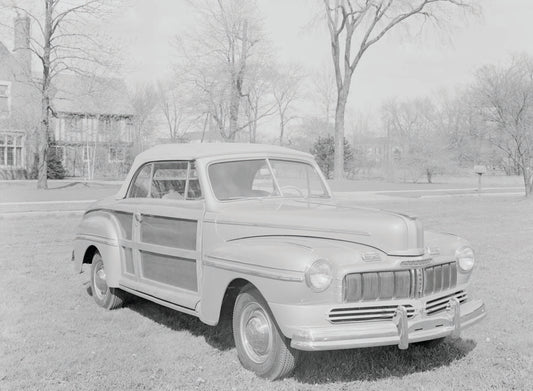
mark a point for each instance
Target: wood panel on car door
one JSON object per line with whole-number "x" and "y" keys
{"x": 166, "y": 250}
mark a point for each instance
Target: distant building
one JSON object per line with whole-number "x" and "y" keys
{"x": 15, "y": 121}
{"x": 376, "y": 149}
{"x": 91, "y": 124}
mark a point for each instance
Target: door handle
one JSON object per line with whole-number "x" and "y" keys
{"x": 138, "y": 217}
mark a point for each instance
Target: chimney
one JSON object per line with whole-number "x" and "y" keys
{"x": 22, "y": 42}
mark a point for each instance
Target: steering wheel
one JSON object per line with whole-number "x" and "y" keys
{"x": 291, "y": 187}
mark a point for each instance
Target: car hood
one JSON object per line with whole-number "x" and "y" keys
{"x": 392, "y": 233}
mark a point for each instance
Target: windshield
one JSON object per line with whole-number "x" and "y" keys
{"x": 261, "y": 178}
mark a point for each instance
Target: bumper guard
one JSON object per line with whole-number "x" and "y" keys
{"x": 399, "y": 331}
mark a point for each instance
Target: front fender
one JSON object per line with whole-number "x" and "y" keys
{"x": 275, "y": 266}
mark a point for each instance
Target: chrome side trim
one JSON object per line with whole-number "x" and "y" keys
{"x": 98, "y": 239}
{"x": 241, "y": 267}
{"x": 281, "y": 226}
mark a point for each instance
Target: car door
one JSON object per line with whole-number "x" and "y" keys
{"x": 166, "y": 233}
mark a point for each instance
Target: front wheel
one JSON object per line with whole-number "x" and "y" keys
{"x": 261, "y": 347}
{"x": 104, "y": 296}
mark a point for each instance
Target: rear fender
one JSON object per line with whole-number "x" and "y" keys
{"x": 102, "y": 230}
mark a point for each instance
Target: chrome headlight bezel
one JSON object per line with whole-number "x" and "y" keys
{"x": 319, "y": 275}
{"x": 465, "y": 258}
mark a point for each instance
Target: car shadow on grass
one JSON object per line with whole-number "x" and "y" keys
{"x": 371, "y": 364}
{"x": 366, "y": 364}
{"x": 220, "y": 337}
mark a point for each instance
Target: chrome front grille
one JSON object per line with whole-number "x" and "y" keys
{"x": 366, "y": 314}
{"x": 440, "y": 304}
{"x": 400, "y": 284}
{"x": 439, "y": 278}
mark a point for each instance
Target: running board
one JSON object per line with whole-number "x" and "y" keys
{"x": 162, "y": 302}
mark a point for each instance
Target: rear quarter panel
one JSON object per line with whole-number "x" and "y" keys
{"x": 103, "y": 229}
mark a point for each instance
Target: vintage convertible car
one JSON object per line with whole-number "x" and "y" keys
{"x": 253, "y": 231}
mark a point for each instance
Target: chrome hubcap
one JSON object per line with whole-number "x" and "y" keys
{"x": 100, "y": 284}
{"x": 256, "y": 332}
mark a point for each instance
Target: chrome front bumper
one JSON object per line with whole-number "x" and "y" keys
{"x": 400, "y": 331}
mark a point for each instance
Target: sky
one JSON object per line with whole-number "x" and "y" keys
{"x": 402, "y": 65}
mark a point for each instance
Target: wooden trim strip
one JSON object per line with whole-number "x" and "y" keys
{"x": 158, "y": 249}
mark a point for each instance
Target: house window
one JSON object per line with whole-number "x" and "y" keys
{"x": 116, "y": 155}
{"x": 11, "y": 149}
{"x": 87, "y": 153}
{"x": 105, "y": 123}
{"x": 5, "y": 102}
{"x": 73, "y": 124}
{"x": 129, "y": 129}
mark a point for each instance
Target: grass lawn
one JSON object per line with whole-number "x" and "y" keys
{"x": 54, "y": 337}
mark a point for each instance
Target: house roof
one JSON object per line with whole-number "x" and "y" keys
{"x": 90, "y": 95}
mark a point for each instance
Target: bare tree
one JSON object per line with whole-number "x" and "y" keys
{"x": 285, "y": 89}
{"x": 258, "y": 106}
{"x": 414, "y": 133}
{"x": 505, "y": 101}
{"x": 324, "y": 89}
{"x": 173, "y": 110}
{"x": 217, "y": 59}
{"x": 144, "y": 101}
{"x": 355, "y": 26}
{"x": 62, "y": 42}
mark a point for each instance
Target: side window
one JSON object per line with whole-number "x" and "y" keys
{"x": 169, "y": 180}
{"x": 141, "y": 183}
{"x": 194, "y": 192}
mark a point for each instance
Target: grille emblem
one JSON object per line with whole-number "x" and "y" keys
{"x": 417, "y": 262}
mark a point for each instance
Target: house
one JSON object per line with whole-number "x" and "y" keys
{"x": 91, "y": 125}
{"x": 16, "y": 119}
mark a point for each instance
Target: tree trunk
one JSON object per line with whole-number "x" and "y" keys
{"x": 527, "y": 174}
{"x": 429, "y": 175}
{"x": 338, "y": 171}
{"x": 234, "y": 110}
{"x": 42, "y": 177}
{"x": 281, "y": 131}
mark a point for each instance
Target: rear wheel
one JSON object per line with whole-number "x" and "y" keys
{"x": 261, "y": 346}
{"x": 104, "y": 296}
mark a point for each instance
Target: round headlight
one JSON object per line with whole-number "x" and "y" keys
{"x": 318, "y": 276}
{"x": 465, "y": 258}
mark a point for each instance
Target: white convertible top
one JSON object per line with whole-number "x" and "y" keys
{"x": 205, "y": 150}
{"x": 200, "y": 150}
